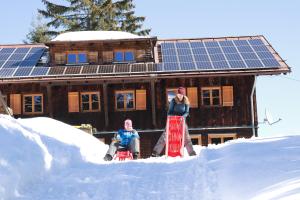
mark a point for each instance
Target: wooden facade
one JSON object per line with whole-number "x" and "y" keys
{"x": 220, "y": 102}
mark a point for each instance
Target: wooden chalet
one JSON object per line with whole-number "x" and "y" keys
{"x": 103, "y": 78}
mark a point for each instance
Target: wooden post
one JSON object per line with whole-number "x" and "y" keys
{"x": 153, "y": 106}
{"x": 49, "y": 100}
{"x": 105, "y": 104}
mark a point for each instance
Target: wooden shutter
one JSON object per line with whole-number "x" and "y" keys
{"x": 108, "y": 56}
{"x": 15, "y": 103}
{"x": 192, "y": 94}
{"x": 60, "y": 58}
{"x": 93, "y": 57}
{"x": 141, "y": 103}
{"x": 227, "y": 95}
{"x": 73, "y": 101}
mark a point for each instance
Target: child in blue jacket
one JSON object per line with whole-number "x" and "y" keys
{"x": 127, "y": 138}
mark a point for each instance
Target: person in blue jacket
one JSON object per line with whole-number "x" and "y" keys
{"x": 127, "y": 138}
{"x": 178, "y": 106}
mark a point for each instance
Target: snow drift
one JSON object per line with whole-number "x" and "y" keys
{"x": 41, "y": 158}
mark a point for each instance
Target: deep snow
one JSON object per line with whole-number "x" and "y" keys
{"x": 41, "y": 158}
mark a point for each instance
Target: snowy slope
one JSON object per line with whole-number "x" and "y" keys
{"x": 41, "y": 158}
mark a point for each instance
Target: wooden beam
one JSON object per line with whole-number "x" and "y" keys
{"x": 49, "y": 100}
{"x": 105, "y": 104}
{"x": 153, "y": 105}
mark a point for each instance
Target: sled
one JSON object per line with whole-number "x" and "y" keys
{"x": 123, "y": 154}
{"x": 175, "y": 136}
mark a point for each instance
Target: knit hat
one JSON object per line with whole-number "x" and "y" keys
{"x": 181, "y": 90}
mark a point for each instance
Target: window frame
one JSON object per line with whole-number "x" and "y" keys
{"x": 221, "y": 136}
{"x": 125, "y": 100}
{"x": 210, "y": 89}
{"x": 33, "y": 103}
{"x": 90, "y": 93}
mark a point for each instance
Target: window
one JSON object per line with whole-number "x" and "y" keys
{"x": 77, "y": 58}
{"x": 171, "y": 93}
{"x": 220, "y": 138}
{"x": 124, "y": 100}
{"x": 60, "y": 58}
{"x": 90, "y": 101}
{"x": 123, "y": 56}
{"x": 211, "y": 96}
{"x": 196, "y": 139}
{"x": 32, "y": 103}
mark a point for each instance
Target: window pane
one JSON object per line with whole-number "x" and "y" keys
{"x": 37, "y": 103}
{"x": 206, "y": 101}
{"x": 216, "y": 140}
{"x": 95, "y": 98}
{"x": 195, "y": 141}
{"x": 95, "y": 106}
{"x": 215, "y": 93}
{"x": 119, "y": 56}
{"x": 85, "y": 98}
{"x": 82, "y": 58}
{"x": 129, "y": 100}
{"x": 205, "y": 93}
{"x": 85, "y": 106}
{"x": 71, "y": 58}
{"x": 171, "y": 95}
{"x": 227, "y": 139}
{"x": 120, "y": 101}
{"x": 28, "y": 104}
{"x": 129, "y": 56}
{"x": 216, "y": 101}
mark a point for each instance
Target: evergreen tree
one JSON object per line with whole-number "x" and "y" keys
{"x": 86, "y": 15}
{"x": 37, "y": 32}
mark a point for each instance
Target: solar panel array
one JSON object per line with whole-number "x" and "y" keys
{"x": 21, "y": 61}
{"x": 176, "y": 56}
{"x": 217, "y": 55}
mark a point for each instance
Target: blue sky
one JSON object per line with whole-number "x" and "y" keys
{"x": 278, "y": 21}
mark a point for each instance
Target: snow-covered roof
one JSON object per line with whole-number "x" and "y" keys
{"x": 96, "y": 35}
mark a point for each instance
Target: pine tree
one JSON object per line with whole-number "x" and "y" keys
{"x": 86, "y": 15}
{"x": 37, "y": 33}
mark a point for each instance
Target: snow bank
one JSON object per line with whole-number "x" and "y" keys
{"x": 41, "y": 158}
{"x": 96, "y": 35}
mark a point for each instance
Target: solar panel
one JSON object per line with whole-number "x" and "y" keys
{"x": 39, "y": 71}
{"x": 256, "y": 42}
{"x": 236, "y": 64}
{"x": 196, "y": 45}
{"x": 182, "y": 45}
{"x": 226, "y": 43}
{"x": 25, "y": 71}
{"x": 155, "y": 67}
{"x": 168, "y": 52}
{"x": 4, "y": 56}
{"x": 11, "y": 64}
{"x": 200, "y": 51}
{"x": 245, "y": 49}
{"x": 214, "y": 50}
{"x": 249, "y": 56}
{"x": 56, "y": 70}
{"x": 240, "y": 42}
{"x": 168, "y": 45}
{"x": 89, "y": 69}
{"x": 22, "y": 50}
{"x": 138, "y": 68}
{"x": 254, "y": 63}
{"x": 204, "y": 65}
{"x": 73, "y": 70}
{"x": 17, "y": 56}
{"x": 122, "y": 68}
{"x": 270, "y": 62}
{"x": 172, "y": 59}
{"x": 211, "y": 44}
{"x": 6, "y": 72}
{"x": 7, "y": 50}
{"x": 201, "y": 58}
{"x": 187, "y": 66}
{"x": 103, "y": 69}
{"x": 188, "y": 58}
{"x": 220, "y": 65}
{"x": 171, "y": 66}
{"x": 229, "y": 50}
{"x": 217, "y": 57}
